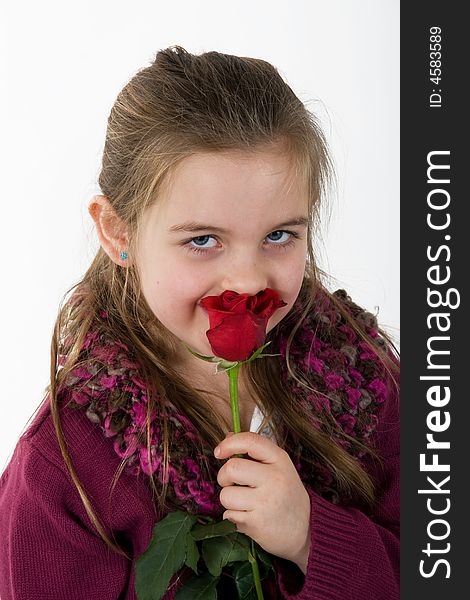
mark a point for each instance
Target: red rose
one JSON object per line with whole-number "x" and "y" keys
{"x": 238, "y": 322}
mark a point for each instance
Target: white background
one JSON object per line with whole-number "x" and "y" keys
{"x": 62, "y": 66}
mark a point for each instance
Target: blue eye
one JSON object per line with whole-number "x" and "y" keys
{"x": 281, "y": 232}
{"x": 200, "y": 248}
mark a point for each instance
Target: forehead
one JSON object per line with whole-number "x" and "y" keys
{"x": 219, "y": 187}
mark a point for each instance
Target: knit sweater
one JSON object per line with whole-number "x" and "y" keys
{"x": 51, "y": 550}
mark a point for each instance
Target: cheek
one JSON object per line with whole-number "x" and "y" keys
{"x": 289, "y": 287}
{"x": 169, "y": 285}
{"x": 173, "y": 291}
{"x": 293, "y": 275}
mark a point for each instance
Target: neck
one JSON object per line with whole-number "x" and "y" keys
{"x": 204, "y": 375}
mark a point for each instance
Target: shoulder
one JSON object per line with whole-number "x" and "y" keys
{"x": 119, "y": 392}
{"x": 38, "y": 471}
{"x": 343, "y": 365}
{"x": 329, "y": 332}
{"x": 41, "y": 507}
{"x": 334, "y": 314}
{"x": 85, "y": 443}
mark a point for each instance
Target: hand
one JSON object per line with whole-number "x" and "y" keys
{"x": 274, "y": 507}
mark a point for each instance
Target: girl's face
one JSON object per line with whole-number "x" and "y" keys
{"x": 227, "y": 221}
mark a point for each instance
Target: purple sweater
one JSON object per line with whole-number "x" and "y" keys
{"x": 50, "y": 550}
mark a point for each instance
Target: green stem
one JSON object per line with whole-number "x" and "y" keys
{"x": 233, "y": 387}
{"x": 233, "y": 383}
{"x": 254, "y": 568}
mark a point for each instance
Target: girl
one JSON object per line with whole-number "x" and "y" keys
{"x": 212, "y": 176}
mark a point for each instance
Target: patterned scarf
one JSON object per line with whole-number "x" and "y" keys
{"x": 348, "y": 378}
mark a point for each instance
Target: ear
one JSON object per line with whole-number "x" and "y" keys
{"x": 111, "y": 230}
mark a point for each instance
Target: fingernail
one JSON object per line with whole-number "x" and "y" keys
{"x": 217, "y": 451}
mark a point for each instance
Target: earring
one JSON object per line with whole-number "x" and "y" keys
{"x": 124, "y": 255}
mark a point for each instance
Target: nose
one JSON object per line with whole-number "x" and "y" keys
{"x": 244, "y": 274}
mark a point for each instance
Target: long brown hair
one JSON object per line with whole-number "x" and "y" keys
{"x": 181, "y": 104}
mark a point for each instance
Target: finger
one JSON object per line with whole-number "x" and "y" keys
{"x": 238, "y": 517}
{"x": 253, "y": 444}
{"x": 237, "y": 498}
{"x": 242, "y": 472}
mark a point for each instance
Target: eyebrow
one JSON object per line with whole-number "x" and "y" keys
{"x": 193, "y": 226}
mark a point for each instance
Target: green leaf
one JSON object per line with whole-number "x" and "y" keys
{"x": 264, "y": 557}
{"x": 164, "y": 556}
{"x": 202, "y": 532}
{"x": 219, "y": 551}
{"x": 207, "y": 358}
{"x": 263, "y": 355}
{"x": 203, "y": 587}
{"x": 222, "y": 364}
{"x": 244, "y": 540}
{"x": 257, "y": 352}
{"x": 192, "y": 553}
{"x": 244, "y": 581}
{"x": 225, "y": 365}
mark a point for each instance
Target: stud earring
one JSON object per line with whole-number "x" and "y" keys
{"x": 124, "y": 255}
